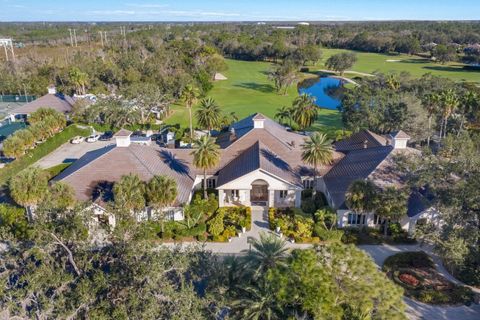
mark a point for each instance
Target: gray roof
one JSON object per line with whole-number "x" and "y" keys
{"x": 356, "y": 165}
{"x": 123, "y": 133}
{"x": 109, "y": 164}
{"x": 258, "y": 156}
{"x": 400, "y": 135}
{"x": 360, "y": 140}
{"x": 58, "y": 102}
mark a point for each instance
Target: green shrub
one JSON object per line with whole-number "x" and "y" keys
{"x": 432, "y": 296}
{"x": 462, "y": 294}
{"x": 13, "y": 223}
{"x": 166, "y": 235}
{"x": 202, "y": 238}
{"x": 215, "y": 225}
{"x": 308, "y": 206}
{"x": 412, "y": 259}
{"x": 229, "y": 232}
{"x": 395, "y": 229}
{"x": 219, "y": 238}
{"x": 329, "y": 235}
{"x": 350, "y": 236}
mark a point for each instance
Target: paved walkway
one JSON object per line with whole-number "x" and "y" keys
{"x": 419, "y": 310}
{"x": 239, "y": 244}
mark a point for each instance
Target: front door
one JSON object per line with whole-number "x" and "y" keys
{"x": 259, "y": 193}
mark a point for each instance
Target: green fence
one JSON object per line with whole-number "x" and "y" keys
{"x": 16, "y": 98}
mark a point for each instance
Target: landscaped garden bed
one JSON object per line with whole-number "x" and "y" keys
{"x": 416, "y": 273}
{"x": 228, "y": 222}
{"x": 302, "y": 227}
{"x": 375, "y": 236}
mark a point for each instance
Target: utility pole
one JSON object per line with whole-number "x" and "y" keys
{"x": 75, "y": 36}
{"x": 71, "y": 37}
{"x": 105, "y": 35}
{"x": 101, "y": 37}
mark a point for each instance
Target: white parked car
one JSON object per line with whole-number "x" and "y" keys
{"x": 93, "y": 138}
{"x": 77, "y": 140}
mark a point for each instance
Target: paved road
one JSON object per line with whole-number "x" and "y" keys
{"x": 70, "y": 152}
{"x": 417, "y": 310}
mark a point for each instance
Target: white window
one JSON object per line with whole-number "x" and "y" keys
{"x": 283, "y": 194}
{"x": 377, "y": 219}
{"x": 308, "y": 183}
{"x": 211, "y": 183}
{"x": 355, "y": 218}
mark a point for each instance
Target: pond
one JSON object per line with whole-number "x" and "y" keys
{"x": 324, "y": 90}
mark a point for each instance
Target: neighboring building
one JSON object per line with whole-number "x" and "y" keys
{"x": 261, "y": 164}
{"x": 52, "y": 99}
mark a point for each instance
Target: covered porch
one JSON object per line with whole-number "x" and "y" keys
{"x": 259, "y": 189}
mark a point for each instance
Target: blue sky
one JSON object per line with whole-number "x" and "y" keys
{"x": 237, "y": 10}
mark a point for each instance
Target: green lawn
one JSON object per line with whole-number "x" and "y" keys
{"x": 417, "y": 66}
{"x": 248, "y": 90}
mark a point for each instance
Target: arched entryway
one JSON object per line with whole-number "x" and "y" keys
{"x": 259, "y": 192}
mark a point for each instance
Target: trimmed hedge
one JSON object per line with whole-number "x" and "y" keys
{"x": 40, "y": 151}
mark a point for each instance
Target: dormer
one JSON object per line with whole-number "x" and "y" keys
{"x": 52, "y": 89}
{"x": 399, "y": 139}
{"x": 258, "y": 121}
{"x": 122, "y": 138}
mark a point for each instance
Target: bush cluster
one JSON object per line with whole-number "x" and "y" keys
{"x": 44, "y": 123}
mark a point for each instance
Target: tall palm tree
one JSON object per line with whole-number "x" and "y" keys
{"x": 190, "y": 97}
{"x": 206, "y": 155}
{"x": 268, "y": 252}
{"x": 129, "y": 193}
{"x": 361, "y": 196}
{"x": 317, "y": 151}
{"x": 284, "y": 113}
{"x": 161, "y": 192}
{"x": 449, "y": 102}
{"x": 209, "y": 114}
{"x": 431, "y": 103}
{"x": 305, "y": 111}
{"x": 392, "y": 204}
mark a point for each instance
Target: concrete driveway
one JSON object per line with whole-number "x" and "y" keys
{"x": 417, "y": 310}
{"x": 70, "y": 152}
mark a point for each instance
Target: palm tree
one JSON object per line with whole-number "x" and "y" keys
{"x": 209, "y": 115}
{"x": 257, "y": 302}
{"x": 449, "y": 102}
{"x": 317, "y": 151}
{"x": 190, "y": 97}
{"x": 79, "y": 80}
{"x": 284, "y": 113}
{"x": 268, "y": 252}
{"x": 361, "y": 196}
{"x": 305, "y": 111}
{"x": 129, "y": 193}
{"x": 161, "y": 192}
{"x": 29, "y": 187}
{"x": 205, "y": 156}
{"x": 431, "y": 103}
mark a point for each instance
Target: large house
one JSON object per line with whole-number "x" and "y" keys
{"x": 261, "y": 164}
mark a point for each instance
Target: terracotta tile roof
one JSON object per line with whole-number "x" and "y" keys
{"x": 58, "y": 102}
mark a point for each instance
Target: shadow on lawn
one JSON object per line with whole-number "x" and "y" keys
{"x": 265, "y": 88}
{"x": 456, "y": 68}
